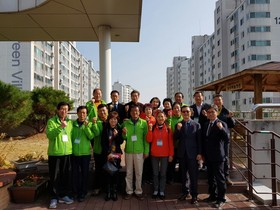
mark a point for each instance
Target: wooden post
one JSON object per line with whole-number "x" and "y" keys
{"x": 258, "y": 94}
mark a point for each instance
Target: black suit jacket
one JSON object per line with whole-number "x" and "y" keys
{"x": 189, "y": 139}
{"x": 120, "y": 109}
{"x": 216, "y": 143}
{"x": 201, "y": 118}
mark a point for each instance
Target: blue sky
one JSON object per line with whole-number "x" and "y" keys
{"x": 166, "y": 30}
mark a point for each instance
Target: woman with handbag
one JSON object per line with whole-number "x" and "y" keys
{"x": 111, "y": 140}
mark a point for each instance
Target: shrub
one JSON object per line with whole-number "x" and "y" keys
{"x": 45, "y": 100}
{"x": 15, "y": 106}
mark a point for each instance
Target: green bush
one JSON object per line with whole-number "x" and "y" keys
{"x": 15, "y": 106}
{"x": 45, "y": 100}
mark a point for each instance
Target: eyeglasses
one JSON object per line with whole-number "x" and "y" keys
{"x": 186, "y": 111}
{"x": 210, "y": 112}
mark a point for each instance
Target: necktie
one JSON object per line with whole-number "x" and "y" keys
{"x": 209, "y": 128}
{"x": 115, "y": 106}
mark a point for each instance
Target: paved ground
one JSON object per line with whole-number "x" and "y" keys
{"x": 234, "y": 201}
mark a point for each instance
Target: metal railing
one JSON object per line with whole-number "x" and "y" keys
{"x": 243, "y": 156}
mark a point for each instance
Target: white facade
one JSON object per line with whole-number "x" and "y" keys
{"x": 246, "y": 35}
{"x": 177, "y": 80}
{"x": 124, "y": 91}
{"x": 28, "y": 65}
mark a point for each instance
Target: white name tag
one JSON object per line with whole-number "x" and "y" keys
{"x": 134, "y": 138}
{"x": 64, "y": 138}
{"x": 77, "y": 141}
{"x": 159, "y": 143}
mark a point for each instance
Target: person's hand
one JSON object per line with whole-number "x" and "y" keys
{"x": 169, "y": 113}
{"x": 124, "y": 130}
{"x": 85, "y": 122}
{"x": 92, "y": 100}
{"x": 145, "y": 156}
{"x": 199, "y": 157}
{"x": 115, "y": 132}
{"x": 150, "y": 127}
{"x": 110, "y": 157}
{"x": 179, "y": 126}
{"x": 170, "y": 159}
{"x": 230, "y": 114}
{"x": 220, "y": 125}
{"x": 94, "y": 120}
{"x": 63, "y": 124}
{"x": 204, "y": 112}
{"x": 126, "y": 108}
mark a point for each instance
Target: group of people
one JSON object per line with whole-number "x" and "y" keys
{"x": 155, "y": 141}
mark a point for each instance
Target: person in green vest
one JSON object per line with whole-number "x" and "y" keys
{"x": 81, "y": 137}
{"x": 99, "y": 159}
{"x": 58, "y": 131}
{"x": 92, "y": 106}
{"x": 136, "y": 150}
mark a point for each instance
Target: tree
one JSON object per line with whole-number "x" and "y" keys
{"x": 45, "y": 100}
{"x": 15, "y": 106}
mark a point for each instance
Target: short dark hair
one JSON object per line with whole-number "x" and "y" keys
{"x": 213, "y": 106}
{"x": 134, "y": 107}
{"x": 218, "y": 95}
{"x": 113, "y": 114}
{"x": 197, "y": 92}
{"x": 175, "y": 103}
{"x": 82, "y": 107}
{"x": 114, "y": 91}
{"x": 100, "y": 106}
{"x": 179, "y": 93}
{"x": 96, "y": 89}
{"x": 63, "y": 103}
{"x": 156, "y": 99}
{"x": 167, "y": 99}
{"x": 135, "y": 91}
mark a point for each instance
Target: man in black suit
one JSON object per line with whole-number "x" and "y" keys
{"x": 216, "y": 138}
{"x": 188, "y": 133}
{"x": 200, "y": 115}
{"x": 134, "y": 95}
{"x": 226, "y": 116}
{"x": 199, "y": 108}
{"x": 116, "y": 106}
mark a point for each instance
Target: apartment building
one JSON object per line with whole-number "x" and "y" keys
{"x": 124, "y": 90}
{"x": 177, "y": 77}
{"x": 60, "y": 65}
{"x": 246, "y": 35}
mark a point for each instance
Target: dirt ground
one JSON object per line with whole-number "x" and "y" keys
{"x": 12, "y": 148}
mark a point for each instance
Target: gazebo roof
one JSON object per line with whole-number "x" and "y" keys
{"x": 244, "y": 80}
{"x": 71, "y": 20}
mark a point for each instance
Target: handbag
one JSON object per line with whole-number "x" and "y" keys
{"x": 110, "y": 168}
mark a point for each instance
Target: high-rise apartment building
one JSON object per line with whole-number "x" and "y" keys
{"x": 124, "y": 91}
{"x": 60, "y": 65}
{"x": 246, "y": 35}
{"x": 176, "y": 77}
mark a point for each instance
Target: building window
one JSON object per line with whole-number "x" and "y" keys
{"x": 244, "y": 101}
{"x": 260, "y": 43}
{"x": 242, "y": 34}
{"x": 259, "y": 14}
{"x": 259, "y": 1}
{"x": 219, "y": 64}
{"x": 219, "y": 76}
{"x": 218, "y": 20}
{"x": 243, "y": 47}
{"x": 259, "y": 29}
{"x": 255, "y": 57}
{"x": 241, "y": 21}
{"x": 219, "y": 53}
{"x": 243, "y": 60}
{"x": 218, "y": 42}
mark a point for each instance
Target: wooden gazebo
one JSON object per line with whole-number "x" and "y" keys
{"x": 258, "y": 79}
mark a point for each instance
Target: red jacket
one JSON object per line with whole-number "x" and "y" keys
{"x": 162, "y": 141}
{"x": 152, "y": 119}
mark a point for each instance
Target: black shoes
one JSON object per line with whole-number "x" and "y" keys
{"x": 219, "y": 204}
{"x": 194, "y": 200}
{"x": 184, "y": 196}
{"x": 210, "y": 199}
